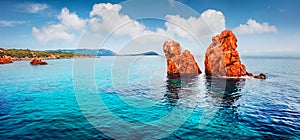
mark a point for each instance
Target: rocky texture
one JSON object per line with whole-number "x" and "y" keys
{"x": 222, "y": 57}
{"x": 5, "y": 59}
{"x": 38, "y": 61}
{"x": 52, "y": 56}
{"x": 179, "y": 63}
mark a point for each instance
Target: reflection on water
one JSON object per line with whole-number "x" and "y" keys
{"x": 183, "y": 86}
{"x": 173, "y": 87}
{"x": 225, "y": 89}
{"x": 214, "y": 98}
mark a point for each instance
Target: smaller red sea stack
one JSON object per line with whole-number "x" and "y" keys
{"x": 5, "y": 59}
{"x": 38, "y": 61}
{"x": 179, "y": 63}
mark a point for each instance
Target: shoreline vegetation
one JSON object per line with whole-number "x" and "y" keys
{"x": 27, "y": 54}
{"x": 7, "y": 56}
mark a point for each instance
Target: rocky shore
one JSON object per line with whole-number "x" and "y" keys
{"x": 7, "y": 56}
{"x": 36, "y": 60}
{"x": 5, "y": 59}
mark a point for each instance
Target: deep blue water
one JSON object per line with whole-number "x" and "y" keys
{"x": 131, "y": 98}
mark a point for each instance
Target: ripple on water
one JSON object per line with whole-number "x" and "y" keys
{"x": 40, "y": 103}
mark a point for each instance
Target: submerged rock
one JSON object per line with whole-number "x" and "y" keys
{"x": 38, "y": 61}
{"x": 260, "y": 76}
{"x": 222, "y": 57}
{"x": 5, "y": 59}
{"x": 179, "y": 63}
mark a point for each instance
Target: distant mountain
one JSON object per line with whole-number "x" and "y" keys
{"x": 101, "y": 52}
{"x": 104, "y": 52}
{"x": 150, "y": 53}
{"x": 146, "y": 53}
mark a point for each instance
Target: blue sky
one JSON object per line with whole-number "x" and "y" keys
{"x": 263, "y": 27}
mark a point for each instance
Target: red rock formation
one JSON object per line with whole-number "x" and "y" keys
{"x": 222, "y": 57}
{"x": 179, "y": 63}
{"x": 38, "y": 61}
{"x": 5, "y": 59}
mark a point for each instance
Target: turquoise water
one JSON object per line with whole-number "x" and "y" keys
{"x": 131, "y": 98}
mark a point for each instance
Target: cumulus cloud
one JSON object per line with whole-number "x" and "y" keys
{"x": 106, "y": 18}
{"x": 10, "y": 23}
{"x": 32, "y": 7}
{"x": 71, "y": 19}
{"x": 68, "y": 24}
{"x": 207, "y": 24}
{"x": 52, "y": 32}
{"x": 253, "y": 27}
{"x": 215, "y": 20}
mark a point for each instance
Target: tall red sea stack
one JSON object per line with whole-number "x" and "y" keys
{"x": 179, "y": 63}
{"x": 222, "y": 57}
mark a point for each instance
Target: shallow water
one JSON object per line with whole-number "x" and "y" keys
{"x": 130, "y": 97}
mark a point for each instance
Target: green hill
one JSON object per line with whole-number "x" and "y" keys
{"x": 22, "y": 53}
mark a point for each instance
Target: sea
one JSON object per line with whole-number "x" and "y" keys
{"x": 130, "y": 97}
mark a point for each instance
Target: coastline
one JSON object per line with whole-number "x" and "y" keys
{"x": 45, "y": 58}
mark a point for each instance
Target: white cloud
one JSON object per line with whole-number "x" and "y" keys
{"x": 102, "y": 8}
{"x": 35, "y": 8}
{"x": 208, "y": 24}
{"x": 71, "y": 19}
{"x": 10, "y": 23}
{"x": 106, "y": 19}
{"x": 253, "y": 27}
{"x": 32, "y": 7}
{"x": 215, "y": 20}
{"x": 52, "y": 32}
{"x": 65, "y": 29}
